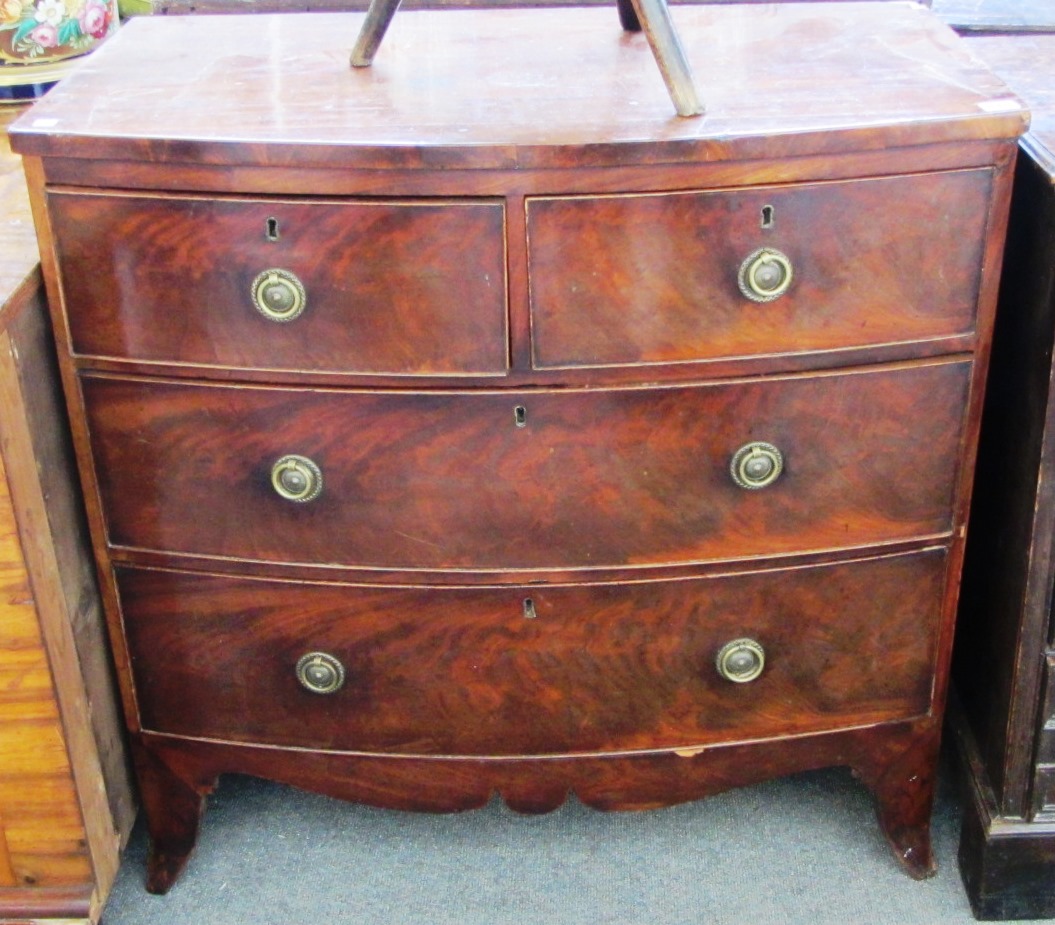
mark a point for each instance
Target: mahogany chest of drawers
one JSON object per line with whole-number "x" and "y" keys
{"x": 471, "y": 424}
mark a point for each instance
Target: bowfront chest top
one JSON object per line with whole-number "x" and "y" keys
{"x": 471, "y": 423}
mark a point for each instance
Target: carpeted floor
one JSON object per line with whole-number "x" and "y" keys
{"x": 803, "y": 849}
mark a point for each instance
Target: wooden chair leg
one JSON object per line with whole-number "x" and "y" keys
{"x": 378, "y": 19}
{"x": 654, "y": 17}
{"x": 628, "y": 16}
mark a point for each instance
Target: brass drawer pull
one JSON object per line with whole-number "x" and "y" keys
{"x": 296, "y": 478}
{"x": 765, "y": 275}
{"x": 756, "y": 465}
{"x": 320, "y": 673}
{"x": 741, "y": 660}
{"x": 279, "y": 296}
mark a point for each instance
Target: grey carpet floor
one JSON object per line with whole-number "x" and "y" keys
{"x": 803, "y": 849}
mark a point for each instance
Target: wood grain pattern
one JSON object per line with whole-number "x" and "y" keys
{"x": 184, "y": 772}
{"x": 594, "y": 98}
{"x": 463, "y": 671}
{"x": 63, "y": 781}
{"x": 448, "y": 481}
{"x": 42, "y": 827}
{"x": 408, "y": 288}
{"x": 611, "y": 506}
{"x": 47, "y": 510}
{"x": 874, "y": 262}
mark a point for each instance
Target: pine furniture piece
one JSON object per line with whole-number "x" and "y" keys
{"x": 472, "y": 424}
{"x": 1005, "y": 647}
{"x": 65, "y": 798}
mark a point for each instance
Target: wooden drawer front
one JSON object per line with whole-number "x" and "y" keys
{"x": 593, "y": 478}
{"x": 402, "y": 288}
{"x": 653, "y": 279}
{"x": 462, "y": 671}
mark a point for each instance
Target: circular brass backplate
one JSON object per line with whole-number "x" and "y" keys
{"x": 296, "y": 478}
{"x": 765, "y": 275}
{"x": 756, "y": 465}
{"x": 278, "y": 295}
{"x": 741, "y": 660}
{"x": 320, "y": 673}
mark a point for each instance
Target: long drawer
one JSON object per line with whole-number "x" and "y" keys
{"x": 534, "y": 670}
{"x": 628, "y": 279}
{"x": 543, "y": 479}
{"x": 402, "y": 288}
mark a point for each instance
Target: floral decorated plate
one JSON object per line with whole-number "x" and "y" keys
{"x": 38, "y": 36}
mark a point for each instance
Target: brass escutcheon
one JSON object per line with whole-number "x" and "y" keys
{"x": 296, "y": 478}
{"x": 278, "y": 295}
{"x": 320, "y": 673}
{"x": 740, "y": 660}
{"x": 765, "y": 275}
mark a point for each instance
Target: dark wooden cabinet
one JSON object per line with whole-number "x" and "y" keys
{"x": 472, "y": 424}
{"x": 1005, "y": 647}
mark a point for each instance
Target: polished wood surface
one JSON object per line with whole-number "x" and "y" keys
{"x": 601, "y": 493}
{"x": 1027, "y": 63}
{"x": 449, "y": 93}
{"x": 408, "y": 288}
{"x": 870, "y": 458}
{"x": 863, "y": 256}
{"x": 463, "y": 671}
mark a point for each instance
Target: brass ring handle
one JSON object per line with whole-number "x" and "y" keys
{"x": 765, "y": 275}
{"x": 740, "y": 660}
{"x": 296, "y": 478}
{"x": 320, "y": 673}
{"x": 278, "y": 295}
{"x": 756, "y": 465}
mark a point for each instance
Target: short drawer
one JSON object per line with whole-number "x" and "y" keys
{"x": 627, "y": 279}
{"x": 541, "y": 479}
{"x": 533, "y": 670}
{"x": 402, "y": 288}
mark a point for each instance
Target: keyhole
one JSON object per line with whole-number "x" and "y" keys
{"x": 271, "y": 234}
{"x": 529, "y": 609}
{"x": 520, "y": 416}
{"x": 767, "y": 216}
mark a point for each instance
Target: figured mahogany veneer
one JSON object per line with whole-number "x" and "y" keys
{"x": 870, "y": 457}
{"x": 881, "y": 261}
{"x": 411, "y": 288}
{"x": 528, "y": 558}
{"x": 460, "y": 671}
